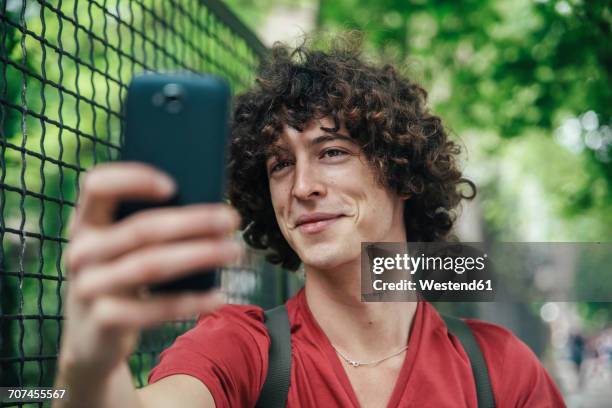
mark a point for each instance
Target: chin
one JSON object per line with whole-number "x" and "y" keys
{"x": 328, "y": 255}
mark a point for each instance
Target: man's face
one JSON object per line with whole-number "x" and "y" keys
{"x": 326, "y": 196}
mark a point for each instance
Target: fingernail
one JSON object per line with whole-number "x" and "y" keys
{"x": 226, "y": 220}
{"x": 217, "y": 298}
{"x": 235, "y": 247}
{"x": 211, "y": 300}
{"x": 166, "y": 184}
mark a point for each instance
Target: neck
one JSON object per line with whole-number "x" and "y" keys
{"x": 363, "y": 330}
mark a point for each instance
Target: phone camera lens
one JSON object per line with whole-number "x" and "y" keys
{"x": 173, "y": 91}
{"x": 173, "y": 97}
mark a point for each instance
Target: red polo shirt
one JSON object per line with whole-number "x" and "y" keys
{"x": 228, "y": 351}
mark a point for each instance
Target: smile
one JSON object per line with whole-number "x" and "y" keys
{"x": 315, "y": 227}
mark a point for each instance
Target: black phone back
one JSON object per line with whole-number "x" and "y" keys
{"x": 179, "y": 124}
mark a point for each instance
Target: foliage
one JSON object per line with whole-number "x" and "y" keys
{"x": 507, "y": 67}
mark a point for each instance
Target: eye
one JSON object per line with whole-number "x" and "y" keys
{"x": 334, "y": 153}
{"x": 279, "y": 166}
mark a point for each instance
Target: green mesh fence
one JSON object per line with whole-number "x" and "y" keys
{"x": 64, "y": 70}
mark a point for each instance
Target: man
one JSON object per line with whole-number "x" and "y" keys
{"x": 327, "y": 152}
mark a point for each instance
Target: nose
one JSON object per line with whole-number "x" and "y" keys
{"x": 307, "y": 183}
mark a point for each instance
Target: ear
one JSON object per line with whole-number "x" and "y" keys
{"x": 405, "y": 197}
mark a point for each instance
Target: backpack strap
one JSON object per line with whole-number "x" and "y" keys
{"x": 462, "y": 331}
{"x": 276, "y": 388}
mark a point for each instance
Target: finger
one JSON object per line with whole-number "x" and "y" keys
{"x": 112, "y": 313}
{"x": 150, "y": 227}
{"x": 154, "y": 264}
{"x": 107, "y": 184}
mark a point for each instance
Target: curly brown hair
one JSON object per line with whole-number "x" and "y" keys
{"x": 384, "y": 112}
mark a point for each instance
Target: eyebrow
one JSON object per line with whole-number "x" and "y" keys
{"x": 275, "y": 149}
{"x": 328, "y": 138}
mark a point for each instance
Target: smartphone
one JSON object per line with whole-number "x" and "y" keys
{"x": 178, "y": 123}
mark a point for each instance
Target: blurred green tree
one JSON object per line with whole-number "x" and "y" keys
{"x": 504, "y": 66}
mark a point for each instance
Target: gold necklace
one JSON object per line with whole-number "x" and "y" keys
{"x": 356, "y": 363}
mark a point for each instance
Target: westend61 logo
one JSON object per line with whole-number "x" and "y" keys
{"x": 432, "y": 271}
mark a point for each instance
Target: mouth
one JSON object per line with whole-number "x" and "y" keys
{"x": 316, "y": 223}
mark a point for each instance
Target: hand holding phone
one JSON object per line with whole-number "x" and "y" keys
{"x": 109, "y": 261}
{"x": 169, "y": 160}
